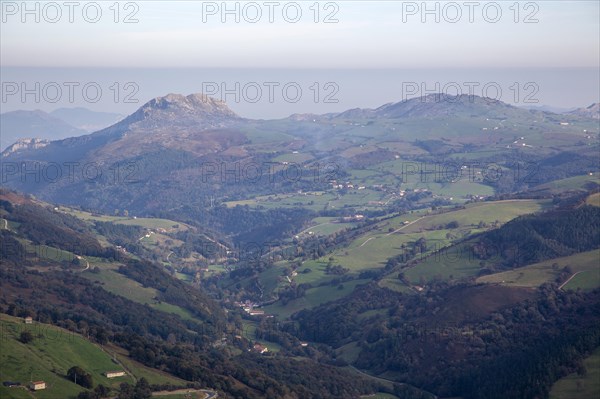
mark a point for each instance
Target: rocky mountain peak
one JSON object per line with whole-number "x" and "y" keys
{"x": 177, "y": 112}
{"x": 25, "y": 144}
{"x": 194, "y": 104}
{"x": 592, "y": 111}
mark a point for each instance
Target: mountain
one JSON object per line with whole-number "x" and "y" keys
{"x": 177, "y": 150}
{"x": 33, "y": 124}
{"x": 437, "y": 105}
{"x": 170, "y": 122}
{"x": 85, "y": 119}
{"x": 548, "y": 108}
{"x": 593, "y": 111}
{"x": 25, "y": 145}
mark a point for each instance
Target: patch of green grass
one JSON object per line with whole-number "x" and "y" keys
{"x": 448, "y": 264}
{"x": 259, "y": 136}
{"x": 49, "y": 253}
{"x": 168, "y": 308}
{"x": 119, "y": 284}
{"x": 49, "y": 357}
{"x": 327, "y": 226}
{"x": 586, "y": 280}
{"x": 183, "y": 277}
{"x": 249, "y": 332}
{"x": 374, "y": 248}
{"x": 570, "y": 183}
{"x": 574, "y": 386}
{"x": 593, "y": 199}
{"x": 149, "y": 223}
{"x": 349, "y": 352}
{"x": 300, "y": 157}
{"x": 272, "y": 278}
{"x": 539, "y": 273}
{"x": 395, "y": 285}
{"x": 317, "y": 274}
{"x": 313, "y": 297}
{"x": 487, "y": 212}
{"x": 153, "y": 376}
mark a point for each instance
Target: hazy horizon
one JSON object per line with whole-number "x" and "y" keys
{"x": 341, "y": 55}
{"x": 123, "y": 90}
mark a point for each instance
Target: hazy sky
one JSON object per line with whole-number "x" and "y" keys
{"x": 361, "y": 35}
{"x": 376, "y": 34}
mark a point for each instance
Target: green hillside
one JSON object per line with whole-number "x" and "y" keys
{"x": 51, "y": 353}
{"x": 575, "y": 386}
{"x": 547, "y": 271}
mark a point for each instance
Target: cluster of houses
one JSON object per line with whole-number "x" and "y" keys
{"x": 348, "y": 185}
{"x": 474, "y": 197}
{"x": 259, "y": 348}
{"x": 262, "y": 349}
{"x": 353, "y": 218}
{"x": 249, "y": 307}
{"x": 149, "y": 233}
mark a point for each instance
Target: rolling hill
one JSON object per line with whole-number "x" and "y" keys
{"x": 53, "y": 351}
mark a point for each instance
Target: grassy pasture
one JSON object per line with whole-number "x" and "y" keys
{"x": 539, "y": 273}
{"x": 574, "y": 386}
{"x": 53, "y": 351}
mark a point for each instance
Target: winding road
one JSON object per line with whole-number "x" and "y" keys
{"x": 406, "y": 225}
{"x": 87, "y": 264}
{"x": 569, "y": 279}
{"x": 392, "y": 232}
{"x": 368, "y": 239}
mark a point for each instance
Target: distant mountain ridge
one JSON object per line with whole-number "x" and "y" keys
{"x": 172, "y": 121}
{"x": 83, "y": 118}
{"x": 33, "y": 124}
{"x": 58, "y": 124}
{"x": 592, "y": 111}
{"x": 434, "y": 105}
{"x": 171, "y": 139}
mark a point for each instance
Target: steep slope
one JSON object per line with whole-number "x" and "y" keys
{"x": 592, "y": 111}
{"x": 53, "y": 351}
{"x": 173, "y": 121}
